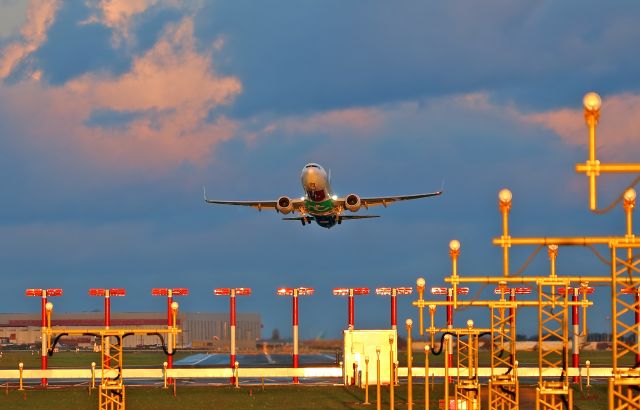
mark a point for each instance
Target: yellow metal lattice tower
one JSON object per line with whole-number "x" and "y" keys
{"x": 503, "y": 386}
{"x": 112, "y": 391}
{"x": 624, "y": 386}
{"x": 467, "y": 386}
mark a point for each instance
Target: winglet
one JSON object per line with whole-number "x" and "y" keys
{"x": 204, "y": 193}
{"x": 442, "y": 186}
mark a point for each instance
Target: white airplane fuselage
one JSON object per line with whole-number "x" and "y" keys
{"x": 318, "y": 198}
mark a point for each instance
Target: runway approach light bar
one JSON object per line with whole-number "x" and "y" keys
{"x": 399, "y": 291}
{"x": 345, "y": 291}
{"x": 301, "y": 291}
{"x": 103, "y": 292}
{"x": 227, "y": 291}
{"x": 630, "y": 291}
{"x": 443, "y": 291}
{"x": 165, "y": 292}
{"x": 517, "y": 291}
{"x": 48, "y": 292}
{"x": 589, "y": 290}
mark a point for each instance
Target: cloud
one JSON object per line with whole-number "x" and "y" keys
{"x": 618, "y": 128}
{"x": 40, "y": 16}
{"x": 171, "y": 89}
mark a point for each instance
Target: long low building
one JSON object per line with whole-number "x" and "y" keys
{"x": 199, "y": 329}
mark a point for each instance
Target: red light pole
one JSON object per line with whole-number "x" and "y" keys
{"x": 575, "y": 320}
{"x": 43, "y": 293}
{"x": 170, "y": 293}
{"x": 449, "y": 293}
{"x": 232, "y": 293}
{"x": 107, "y": 293}
{"x": 351, "y": 292}
{"x": 394, "y": 307}
{"x": 295, "y": 292}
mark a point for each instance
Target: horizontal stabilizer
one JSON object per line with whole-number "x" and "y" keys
{"x": 359, "y": 216}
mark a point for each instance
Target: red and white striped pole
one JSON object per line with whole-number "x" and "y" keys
{"x": 107, "y": 293}
{"x": 43, "y": 364}
{"x": 43, "y": 294}
{"x": 295, "y": 332}
{"x": 450, "y": 326}
{"x": 295, "y": 292}
{"x": 232, "y": 331}
{"x": 169, "y": 325}
{"x": 394, "y": 293}
{"x": 351, "y": 293}
{"x": 232, "y": 293}
{"x": 394, "y": 309}
{"x": 171, "y": 341}
{"x": 575, "y": 321}
{"x": 352, "y": 315}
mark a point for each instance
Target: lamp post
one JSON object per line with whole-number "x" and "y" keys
{"x": 351, "y": 293}
{"x": 43, "y": 294}
{"x": 394, "y": 292}
{"x": 295, "y": 292}
{"x": 592, "y": 103}
{"x": 170, "y": 293}
{"x": 408, "y": 324}
{"x": 420, "y": 283}
{"x": 232, "y": 293}
{"x": 504, "y": 201}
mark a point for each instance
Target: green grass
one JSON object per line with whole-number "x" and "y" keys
{"x": 271, "y": 397}
{"x": 10, "y": 359}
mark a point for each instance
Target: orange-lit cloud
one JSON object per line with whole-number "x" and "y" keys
{"x": 618, "y": 128}
{"x": 171, "y": 89}
{"x": 40, "y": 15}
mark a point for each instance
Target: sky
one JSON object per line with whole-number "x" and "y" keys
{"x": 115, "y": 113}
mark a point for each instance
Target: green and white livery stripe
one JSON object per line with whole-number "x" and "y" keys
{"x": 319, "y": 207}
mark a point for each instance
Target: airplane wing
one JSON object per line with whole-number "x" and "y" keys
{"x": 259, "y": 205}
{"x": 386, "y": 200}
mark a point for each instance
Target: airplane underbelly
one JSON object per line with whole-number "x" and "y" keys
{"x": 319, "y": 208}
{"x": 326, "y": 221}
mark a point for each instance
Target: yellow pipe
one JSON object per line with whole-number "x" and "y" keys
{"x": 571, "y": 241}
{"x": 426, "y": 377}
{"x": 518, "y": 303}
{"x": 409, "y": 364}
{"x": 528, "y": 279}
{"x": 619, "y": 167}
{"x": 391, "y": 374}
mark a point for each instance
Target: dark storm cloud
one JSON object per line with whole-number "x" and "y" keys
{"x": 302, "y": 56}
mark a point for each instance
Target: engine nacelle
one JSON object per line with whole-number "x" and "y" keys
{"x": 352, "y": 202}
{"x": 284, "y": 205}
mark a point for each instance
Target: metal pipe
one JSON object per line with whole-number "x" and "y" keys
{"x": 527, "y": 279}
{"x": 295, "y": 332}
{"x": 426, "y": 377}
{"x": 569, "y": 241}
{"x": 351, "y": 307}
{"x": 611, "y": 167}
{"x": 232, "y": 331}
{"x": 44, "y": 354}
{"x": 449, "y": 355}
{"x": 409, "y": 324}
{"x": 169, "y": 324}
{"x": 378, "y": 395}
{"x": 391, "y": 373}
{"x": 575, "y": 316}
{"x": 394, "y": 314}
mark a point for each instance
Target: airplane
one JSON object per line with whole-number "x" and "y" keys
{"x": 319, "y": 204}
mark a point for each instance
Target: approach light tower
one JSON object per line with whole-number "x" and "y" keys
{"x": 449, "y": 293}
{"x": 107, "y": 293}
{"x": 232, "y": 293}
{"x": 351, "y": 292}
{"x": 295, "y": 292}
{"x": 170, "y": 293}
{"x": 394, "y": 306}
{"x": 44, "y": 293}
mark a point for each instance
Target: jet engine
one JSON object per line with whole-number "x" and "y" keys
{"x": 352, "y": 202}
{"x": 284, "y": 205}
